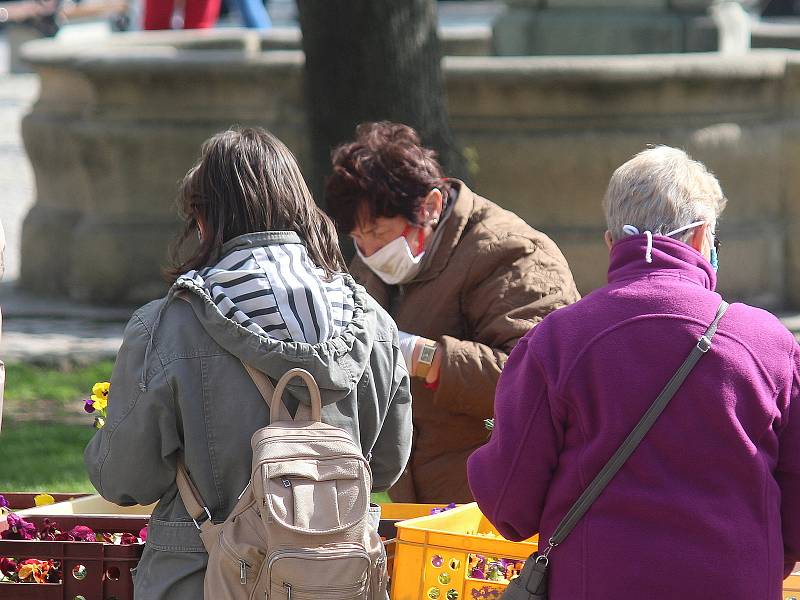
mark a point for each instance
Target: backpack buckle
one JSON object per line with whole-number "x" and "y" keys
{"x": 208, "y": 513}
{"x": 703, "y": 344}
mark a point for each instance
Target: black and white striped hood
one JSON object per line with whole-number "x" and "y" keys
{"x": 276, "y": 291}
{"x": 268, "y": 305}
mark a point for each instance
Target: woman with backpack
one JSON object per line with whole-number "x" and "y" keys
{"x": 266, "y": 288}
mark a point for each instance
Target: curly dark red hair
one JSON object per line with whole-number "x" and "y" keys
{"x": 384, "y": 172}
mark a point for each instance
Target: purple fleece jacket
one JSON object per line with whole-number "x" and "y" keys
{"x": 708, "y": 506}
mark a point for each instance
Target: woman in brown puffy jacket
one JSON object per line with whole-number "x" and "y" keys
{"x": 464, "y": 280}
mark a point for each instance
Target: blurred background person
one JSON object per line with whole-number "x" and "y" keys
{"x": 719, "y": 471}
{"x": 197, "y": 14}
{"x": 463, "y": 279}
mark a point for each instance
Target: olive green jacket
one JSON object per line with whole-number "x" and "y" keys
{"x": 179, "y": 387}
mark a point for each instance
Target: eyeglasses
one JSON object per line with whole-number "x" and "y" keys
{"x": 717, "y": 243}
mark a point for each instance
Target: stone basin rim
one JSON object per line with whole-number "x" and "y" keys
{"x": 160, "y": 58}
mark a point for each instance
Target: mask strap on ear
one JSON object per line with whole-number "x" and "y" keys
{"x": 685, "y": 228}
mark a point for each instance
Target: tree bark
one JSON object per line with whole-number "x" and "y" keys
{"x": 373, "y": 60}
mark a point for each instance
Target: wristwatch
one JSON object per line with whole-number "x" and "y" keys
{"x": 425, "y": 359}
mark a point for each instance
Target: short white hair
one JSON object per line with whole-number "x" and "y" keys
{"x": 659, "y": 190}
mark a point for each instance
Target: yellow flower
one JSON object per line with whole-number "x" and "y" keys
{"x": 99, "y": 402}
{"x": 44, "y": 500}
{"x": 101, "y": 389}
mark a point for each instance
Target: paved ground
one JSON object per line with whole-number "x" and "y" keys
{"x": 37, "y": 329}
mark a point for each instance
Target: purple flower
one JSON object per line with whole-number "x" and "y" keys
{"x": 477, "y": 573}
{"x": 49, "y": 531}
{"x": 88, "y": 405}
{"x": 19, "y": 529}
{"x": 3, "y": 502}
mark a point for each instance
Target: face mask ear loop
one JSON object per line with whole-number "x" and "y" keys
{"x": 648, "y": 256}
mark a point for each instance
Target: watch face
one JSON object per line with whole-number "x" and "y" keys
{"x": 426, "y": 356}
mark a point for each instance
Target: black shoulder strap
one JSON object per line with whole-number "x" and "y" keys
{"x": 598, "y": 484}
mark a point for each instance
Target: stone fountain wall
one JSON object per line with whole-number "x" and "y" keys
{"x": 117, "y": 126}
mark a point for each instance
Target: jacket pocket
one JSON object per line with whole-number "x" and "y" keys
{"x": 336, "y": 572}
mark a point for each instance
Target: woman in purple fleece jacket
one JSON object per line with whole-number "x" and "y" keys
{"x": 708, "y": 506}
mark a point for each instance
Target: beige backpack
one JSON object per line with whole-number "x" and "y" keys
{"x": 301, "y": 529}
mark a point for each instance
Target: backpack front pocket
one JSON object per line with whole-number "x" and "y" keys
{"x": 339, "y": 572}
{"x": 315, "y": 496}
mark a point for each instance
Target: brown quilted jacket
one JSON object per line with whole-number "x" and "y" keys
{"x": 487, "y": 281}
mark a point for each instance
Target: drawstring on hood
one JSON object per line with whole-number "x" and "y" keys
{"x": 648, "y": 254}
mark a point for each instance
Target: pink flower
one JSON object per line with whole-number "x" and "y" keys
{"x": 81, "y": 533}
{"x": 128, "y": 539}
{"x": 19, "y": 529}
{"x": 3, "y": 502}
{"x": 143, "y": 533}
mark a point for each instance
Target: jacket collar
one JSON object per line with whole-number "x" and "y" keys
{"x": 447, "y": 238}
{"x": 260, "y": 238}
{"x": 670, "y": 257}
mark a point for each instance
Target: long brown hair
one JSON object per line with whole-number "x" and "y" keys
{"x": 247, "y": 181}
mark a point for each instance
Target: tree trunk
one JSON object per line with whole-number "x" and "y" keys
{"x": 373, "y": 60}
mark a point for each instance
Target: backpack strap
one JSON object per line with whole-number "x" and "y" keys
{"x": 313, "y": 388}
{"x": 191, "y": 497}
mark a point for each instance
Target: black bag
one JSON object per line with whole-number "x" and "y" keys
{"x": 531, "y": 584}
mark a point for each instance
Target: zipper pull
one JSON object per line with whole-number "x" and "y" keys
{"x": 288, "y": 587}
{"x": 287, "y": 484}
{"x": 242, "y": 572}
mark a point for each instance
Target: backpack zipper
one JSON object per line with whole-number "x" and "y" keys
{"x": 242, "y": 572}
{"x": 288, "y": 587}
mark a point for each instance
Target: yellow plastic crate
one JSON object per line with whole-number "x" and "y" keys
{"x": 432, "y": 557}
{"x": 399, "y": 511}
{"x": 791, "y": 587}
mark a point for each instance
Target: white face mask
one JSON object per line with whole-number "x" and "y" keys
{"x": 394, "y": 263}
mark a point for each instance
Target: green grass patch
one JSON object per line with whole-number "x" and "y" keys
{"x": 26, "y": 382}
{"x": 43, "y": 457}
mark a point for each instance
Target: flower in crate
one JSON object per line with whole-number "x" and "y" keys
{"x": 43, "y": 500}
{"x": 34, "y": 570}
{"x": 143, "y": 533}
{"x": 49, "y": 531}
{"x": 82, "y": 533}
{"x": 98, "y": 402}
{"x": 3, "y": 505}
{"x": 19, "y": 529}
{"x": 8, "y": 567}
